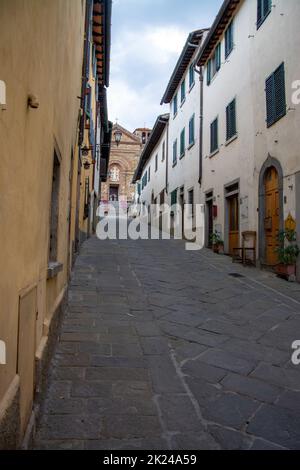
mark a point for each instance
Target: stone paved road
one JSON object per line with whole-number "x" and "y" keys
{"x": 162, "y": 348}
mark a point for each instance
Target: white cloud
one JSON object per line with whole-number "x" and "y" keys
{"x": 141, "y": 64}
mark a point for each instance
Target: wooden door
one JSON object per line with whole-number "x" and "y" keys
{"x": 272, "y": 220}
{"x": 234, "y": 223}
{"x": 114, "y": 193}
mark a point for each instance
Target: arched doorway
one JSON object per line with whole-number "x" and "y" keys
{"x": 270, "y": 210}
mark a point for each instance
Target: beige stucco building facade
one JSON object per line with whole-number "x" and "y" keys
{"x": 42, "y": 57}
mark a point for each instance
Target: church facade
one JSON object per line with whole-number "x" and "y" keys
{"x": 124, "y": 157}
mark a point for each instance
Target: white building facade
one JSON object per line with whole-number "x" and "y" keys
{"x": 251, "y": 151}
{"x": 183, "y": 94}
{"x": 151, "y": 173}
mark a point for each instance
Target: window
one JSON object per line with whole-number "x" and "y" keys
{"x": 54, "y": 208}
{"x": 175, "y": 152}
{"x": 214, "y": 64}
{"x": 229, "y": 40}
{"x": 191, "y": 75}
{"x": 275, "y": 96}
{"x": 88, "y": 99}
{"x": 182, "y": 91}
{"x": 231, "y": 120}
{"x": 191, "y": 202}
{"x": 175, "y": 105}
{"x": 214, "y": 145}
{"x": 156, "y": 162}
{"x": 208, "y": 72}
{"x": 114, "y": 174}
{"x": 174, "y": 197}
{"x": 149, "y": 174}
{"x": 192, "y": 130}
{"x": 182, "y": 143}
{"x": 263, "y": 10}
{"x": 163, "y": 155}
{"x": 144, "y": 180}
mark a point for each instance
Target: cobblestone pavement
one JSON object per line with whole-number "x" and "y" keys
{"x": 163, "y": 348}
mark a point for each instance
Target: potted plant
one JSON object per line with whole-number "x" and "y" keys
{"x": 217, "y": 242}
{"x": 288, "y": 252}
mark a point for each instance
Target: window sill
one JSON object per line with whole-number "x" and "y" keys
{"x": 228, "y": 54}
{"x": 191, "y": 87}
{"x": 54, "y": 267}
{"x": 270, "y": 124}
{"x": 181, "y": 156}
{"x": 182, "y": 102}
{"x": 215, "y": 152}
{"x": 232, "y": 139}
{"x": 191, "y": 145}
{"x": 174, "y": 116}
{"x": 174, "y": 164}
{"x": 261, "y": 22}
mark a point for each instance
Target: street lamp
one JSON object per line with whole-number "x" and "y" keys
{"x": 118, "y": 136}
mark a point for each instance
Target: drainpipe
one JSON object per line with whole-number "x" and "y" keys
{"x": 200, "y": 73}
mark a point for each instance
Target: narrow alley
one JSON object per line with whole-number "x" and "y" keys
{"x": 162, "y": 348}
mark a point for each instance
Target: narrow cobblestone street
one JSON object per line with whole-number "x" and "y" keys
{"x": 162, "y": 348}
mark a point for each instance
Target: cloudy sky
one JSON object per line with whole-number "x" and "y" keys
{"x": 147, "y": 38}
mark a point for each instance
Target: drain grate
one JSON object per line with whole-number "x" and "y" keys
{"x": 235, "y": 275}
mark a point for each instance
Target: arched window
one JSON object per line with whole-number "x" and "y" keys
{"x": 114, "y": 174}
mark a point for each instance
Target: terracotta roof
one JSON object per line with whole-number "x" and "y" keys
{"x": 187, "y": 53}
{"x": 155, "y": 135}
{"x": 223, "y": 18}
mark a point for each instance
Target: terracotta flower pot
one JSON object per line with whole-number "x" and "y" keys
{"x": 286, "y": 269}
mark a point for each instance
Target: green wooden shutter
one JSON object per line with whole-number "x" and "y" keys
{"x": 174, "y": 197}
{"x": 275, "y": 96}
{"x": 279, "y": 92}
{"x": 231, "y": 120}
{"x": 259, "y": 12}
{"x": 214, "y": 136}
{"x": 270, "y": 100}
{"x": 208, "y": 72}
{"x": 267, "y": 4}
{"x": 218, "y": 57}
{"x": 229, "y": 40}
{"x": 182, "y": 143}
{"x": 192, "y": 130}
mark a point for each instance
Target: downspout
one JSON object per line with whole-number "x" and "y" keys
{"x": 200, "y": 73}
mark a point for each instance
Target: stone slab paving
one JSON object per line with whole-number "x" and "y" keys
{"x": 162, "y": 348}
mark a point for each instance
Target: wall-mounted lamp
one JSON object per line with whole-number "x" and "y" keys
{"x": 33, "y": 102}
{"x": 118, "y": 136}
{"x": 85, "y": 150}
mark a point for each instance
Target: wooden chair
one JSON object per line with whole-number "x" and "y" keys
{"x": 241, "y": 254}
